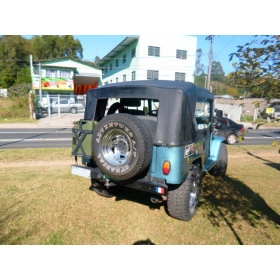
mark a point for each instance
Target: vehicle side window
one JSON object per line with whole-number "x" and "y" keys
{"x": 202, "y": 113}
{"x": 277, "y": 108}
{"x": 223, "y": 122}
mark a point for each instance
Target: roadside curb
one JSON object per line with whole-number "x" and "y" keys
{"x": 65, "y": 121}
{"x": 255, "y": 126}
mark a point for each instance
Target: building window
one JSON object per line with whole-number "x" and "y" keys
{"x": 51, "y": 73}
{"x": 133, "y": 76}
{"x": 36, "y": 71}
{"x": 133, "y": 53}
{"x": 105, "y": 70}
{"x": 124, "y": 78}
{"x": 117, "y": 80}
{"x": 65, "y": 74}
{"x": 152, "y": 75}
{"x": 124, "y": 58}
{"x": 181, "y": 54}
{"x": 117, "y": 62}
{"x": 180, "y": 76}
{"x": 111, "y": 66}
{"x": 153, "y": 51}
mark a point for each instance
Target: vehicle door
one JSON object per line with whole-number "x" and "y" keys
{"x": 203, "y": 116}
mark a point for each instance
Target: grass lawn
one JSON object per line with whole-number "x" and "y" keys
{"x": 41, "y": 203}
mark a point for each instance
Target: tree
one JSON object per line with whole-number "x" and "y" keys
{"x": 45, "y": 47}
{"x": 200, "y": 80}
{"x": 23, "y": 76}
{"x": 258, "y": 69}
{"x": 96, "y": 60}
{"x": 199, "y": 68}
{"x": 14, "y": 58}
{"x": 7, "y": 77}
{"x": 68, "y": 47}
{"x": 20, "y": 90}
{"x": 15, "y": 54}
{"x": 54, "y": 46}
{"x": 217, "y": 73}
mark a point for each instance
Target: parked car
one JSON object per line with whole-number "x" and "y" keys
{"x": 64, "y": 106}
{"x": 232, "y": 132}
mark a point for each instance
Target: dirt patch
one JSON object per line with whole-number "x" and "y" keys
{"x": 40, "y": 163}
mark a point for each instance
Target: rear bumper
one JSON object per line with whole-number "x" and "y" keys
{"x": 151, "y": 185}
{"x": 86, "y": 172}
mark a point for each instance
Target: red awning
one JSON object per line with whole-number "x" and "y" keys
{"x": 83, "y": 83}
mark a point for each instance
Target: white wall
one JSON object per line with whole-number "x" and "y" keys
{"x": 230, "y": 111}
{"x": 81, "y": 68}
{"x": 167, "y": 64}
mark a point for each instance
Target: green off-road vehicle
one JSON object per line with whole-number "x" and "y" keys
{"x": 154, "y": 136}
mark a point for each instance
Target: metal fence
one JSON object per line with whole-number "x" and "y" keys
{"x": 58, "y": 104}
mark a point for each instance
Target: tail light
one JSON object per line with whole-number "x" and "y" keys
{"x": 166, "y": 167}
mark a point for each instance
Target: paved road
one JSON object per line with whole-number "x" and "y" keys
{"x": 35, "y": 138}
{"x": 49, "y": 132}
{"x": 62, "y": 137}
{"x": 261, "y": 137}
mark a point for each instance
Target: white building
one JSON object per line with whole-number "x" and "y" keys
{"x": 150, "y": 57}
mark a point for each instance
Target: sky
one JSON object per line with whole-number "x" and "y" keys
{"x": 223, "y": 45}
{"x": 101, "y": 27}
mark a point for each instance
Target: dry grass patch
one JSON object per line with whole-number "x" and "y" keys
{"x": 42, "y": 203}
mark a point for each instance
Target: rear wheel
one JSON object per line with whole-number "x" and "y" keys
{"x": 231, "y": 139}
{"x": 182, "y": 202}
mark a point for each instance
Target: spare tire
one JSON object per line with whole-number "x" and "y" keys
{"x": 122, "y": 146}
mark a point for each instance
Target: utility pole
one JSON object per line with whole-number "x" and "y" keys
{"x": 31, "y": 68}
{"x": 40, "y": 83}
{"x": 211, "y": 38}
{"x": 30, "y": 97}
{"x": 205, "y": 83}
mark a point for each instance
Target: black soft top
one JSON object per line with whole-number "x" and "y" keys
{"x": 177, "y": 105}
